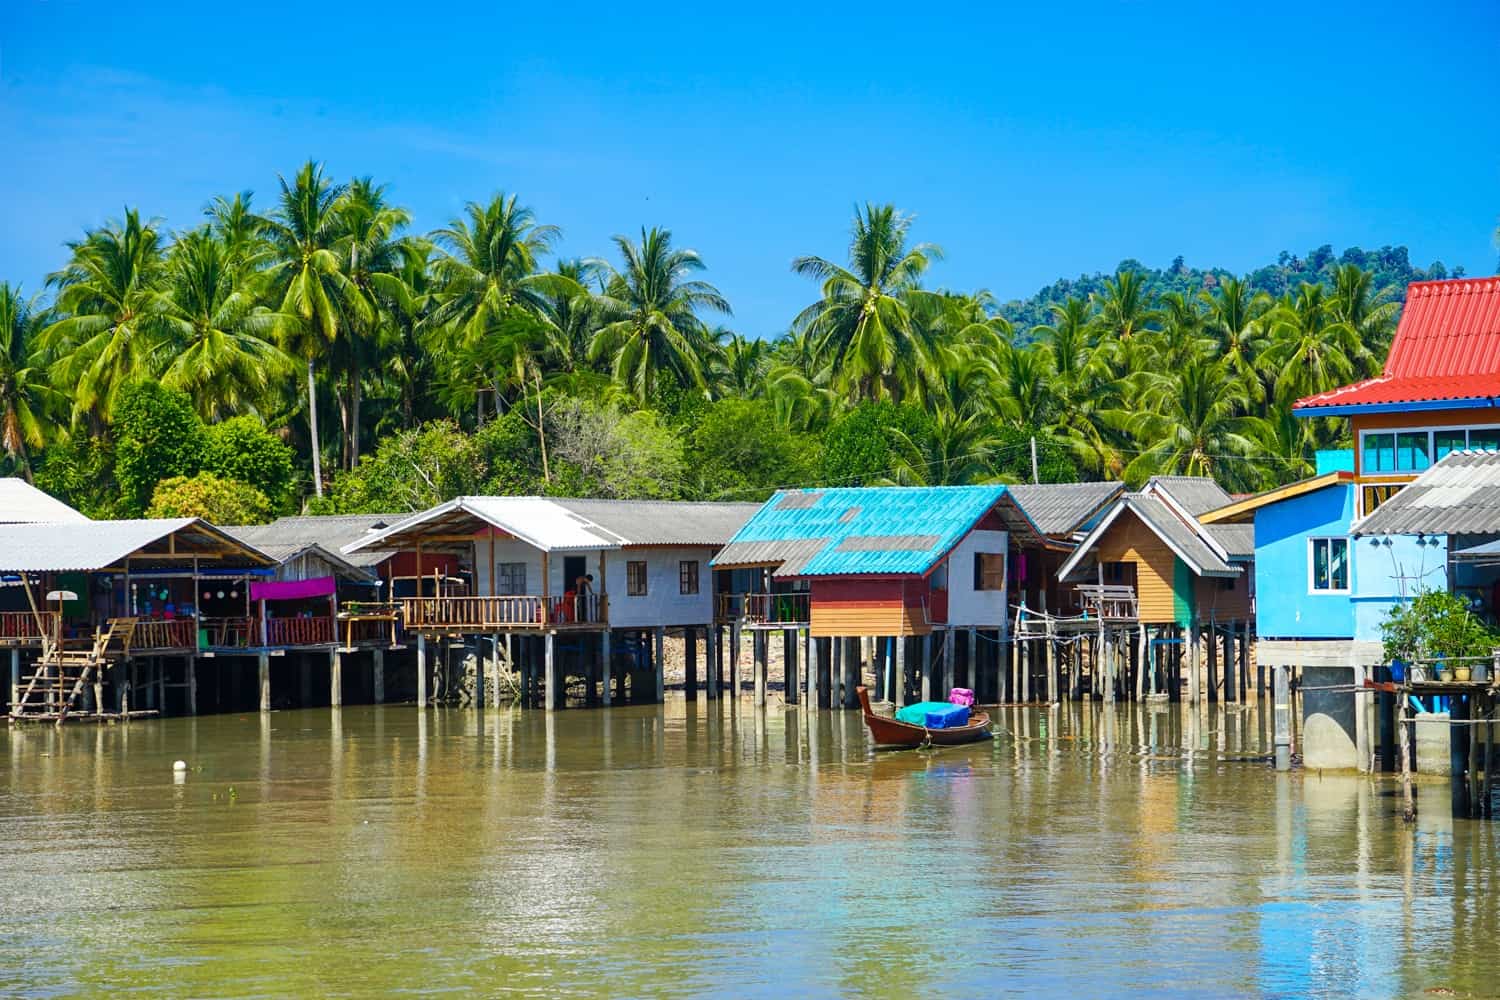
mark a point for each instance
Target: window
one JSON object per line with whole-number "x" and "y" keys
{"x": 989, "y": 571}
{"x": 1117, "y": 574}
{"x": 1485, "y": 440}
{"x": 687, "y": 576}
{"x": 510, "y": 579}
{"x": 1446, "y": 441}
{"x": 635, "y": 579}
{"x": 1380, "y": 453}
{"x": 1328, "y": 565}
{"x": 1411, "y": 451}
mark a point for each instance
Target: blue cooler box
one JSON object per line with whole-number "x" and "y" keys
{"x": 951, "y": 717}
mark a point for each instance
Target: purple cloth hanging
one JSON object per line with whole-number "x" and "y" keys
{"x": 292, "y": 590}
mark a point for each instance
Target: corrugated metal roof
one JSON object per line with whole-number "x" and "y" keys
{"x": 1236, "y": 539}
{"x": 1242, "y": 510}
{"x": 92, "y": 545}
{"x": 20, "y": 502}
{"x": 568, "y": 525}
{"x": 665, "y": 522}
{"x": 1194, "y": 494}
{"x": 1060, "y": 509}
{"x": 267, "y": 539}
{"x": 1460, "y": 495}
{"x": 1447, "y": 348}
{"x": 805, "y": 531}
{"x": 331, "y": 532}
{"x": 1179, "y": 535}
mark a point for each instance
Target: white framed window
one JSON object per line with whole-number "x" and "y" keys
{"x": 1328, "y": 565}
{"x": 510, "y": 579}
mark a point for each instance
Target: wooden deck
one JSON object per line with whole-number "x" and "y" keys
{"x": 471, "y": 615}
{"x": 765, "y": 611}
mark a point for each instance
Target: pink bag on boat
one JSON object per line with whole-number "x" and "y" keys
{"x": 961, "y": 696}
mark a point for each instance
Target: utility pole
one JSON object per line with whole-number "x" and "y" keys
{"x": 1034, "y": 477}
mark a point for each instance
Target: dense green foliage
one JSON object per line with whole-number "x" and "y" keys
{"x": 1435, "y": 623}
{"x": 222, "y": 501}
{"x": 322, "y": 355}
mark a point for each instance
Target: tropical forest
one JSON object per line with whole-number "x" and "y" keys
{"x": 312, "y": 352}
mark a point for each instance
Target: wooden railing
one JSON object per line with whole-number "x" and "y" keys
{"x": 299, "y": 631}
{"x": 1112, "y": 602}
{"x": 522, "y": 611}
{"x": 766, "y": 609}
{"x": 21, "y": 625}
{"x": 180, "y": 633}
{"x": 232, "y": 633}
{"x": 369, "y": 627}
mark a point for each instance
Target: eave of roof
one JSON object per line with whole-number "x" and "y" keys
{"x": 1245, "y": 509}
{"x": 1208, "y": 562}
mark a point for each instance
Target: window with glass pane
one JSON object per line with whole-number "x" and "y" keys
{"x": 1411, "y": 451}
{"x": 1380, "y": 453}
{"x": 1485, "y": 440}
{"x": 510, "y": 578}
{"x": 1330, "y": 564}
{"x": 1446, "y": 441}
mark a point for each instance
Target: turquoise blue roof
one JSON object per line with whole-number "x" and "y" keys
{"x": 895, "y": 530}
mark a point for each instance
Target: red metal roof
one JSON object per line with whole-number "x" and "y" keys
{"x": 1447, "y": 347}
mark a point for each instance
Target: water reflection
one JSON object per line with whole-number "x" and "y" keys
{"x": 717, "y": 848}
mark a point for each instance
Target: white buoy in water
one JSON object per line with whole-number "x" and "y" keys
{"x": 180, "y": 765}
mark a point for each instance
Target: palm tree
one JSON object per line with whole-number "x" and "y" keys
{"x": 239, "y": 229}
{"x": 958, "y": 451}
{"x": 1235, "y": 314}
{"x": 112, "y": 328}
{"x": 25, "y": 395}
{"x": 740, "y": 364}
{"x": 1369, "y": 313}
{"x": 571, "y": 309}
{"x": 651, "y": 316}
{"x": 375, "y": 258}
{"x": 223, "y": 355}
{"x": 1310, "y": 351}
{"x": 861, "y": 323}
{"x": 1194, "y": 423}
{"x": 1124, "y": 313}
{"x": 307, "y": 279}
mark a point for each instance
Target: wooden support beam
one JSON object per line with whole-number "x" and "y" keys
{"x": 377, "y": 676}
{"x": 335, "y": 679}
{"x": 263, "y": 671}
{"x": 789, "y": 665}
{"x": 660, "y": 665}
{"x": 421, "y": 669}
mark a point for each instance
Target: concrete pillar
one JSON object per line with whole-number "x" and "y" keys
{"x": 335, "y": 679}
{"x": 263, "y": 669}
{"x": 421, "y": 670}
{"x": 660, "y": 665}
{"x": 377, "y": 676}
{"x": 1282, "y": 729}
{"x": 606, "y": 667}
{"x": 554, "y": 693}
{"x": 789, "y": 664}
{"x": 192, "y": 687}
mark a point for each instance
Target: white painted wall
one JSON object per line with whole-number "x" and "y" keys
{"x": 967, "y": 606}
{"x": 663, "y": 604}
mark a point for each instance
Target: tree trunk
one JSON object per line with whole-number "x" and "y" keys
{"x": 541, "y": 429}
{"x": 356, "y": 397}
{"x": 312, "y": 420}
{"x": 343, "y": 401}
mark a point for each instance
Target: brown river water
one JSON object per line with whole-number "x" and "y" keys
{"x": 709, "y": 849}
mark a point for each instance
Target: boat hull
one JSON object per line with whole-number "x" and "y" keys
{"x": 887, "y": 733}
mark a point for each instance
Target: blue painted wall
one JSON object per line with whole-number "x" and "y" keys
{"x": 1390, "y": 567}
{"x": 1284, "y": 609}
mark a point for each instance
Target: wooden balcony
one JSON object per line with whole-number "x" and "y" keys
{"x": 153, "y": 636}
{"x": 19, "y": 628}
{"x": 1112, "y": 602}
{"x": 504, "y": 614}
{"x": 315, "y": 631}
{"x": 787, "y": 610}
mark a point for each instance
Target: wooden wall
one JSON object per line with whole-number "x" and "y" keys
{"x": 857, "y": 607}
{"x": 1216, "y": 603}
{"x": 1128, "y": 540}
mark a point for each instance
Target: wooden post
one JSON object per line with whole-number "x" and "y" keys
{"x": 421, "y": 668}
{"x": 835, "y": 671}
{"x": 760, "y": 644}
{"x": 810, "y": 666}
{"x": 1244, "y": 660}
{"x": 377, "y": 676}
{"x": 853, "y": 671}
{"x": 898, "y": 677}
{"x": 972, "y": 658}
{"x": 789, "y": 664}
{"x": 192, "y": 687}
{"x": 1282, "y": 725}
{"x": 661, "y": 665}
{"x": 606, "y": 667}
{"x": 15, "y": 676}
{"x": 949, "y": 638}
{"x": 1142, "y": 665}
{"x": 734, "y": 659}
{"x": 1211, "y": 636}
{"x": 927, "y": 667}
{"x": 1231, "y": 685}
{"x": 335, "y": 679}
{"x": 712, "y": 634}
{"x": 1408, "y": 798}
{"x": 690, "y": 663}
{"x": 1194, "y": 663}
{"x": 263, "y": 668}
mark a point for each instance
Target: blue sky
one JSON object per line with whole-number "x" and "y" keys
{"x": 1032, "y": 144}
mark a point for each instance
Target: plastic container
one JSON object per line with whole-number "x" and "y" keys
{"x": 961, "y": 696}
{"x": 948, "y": 718}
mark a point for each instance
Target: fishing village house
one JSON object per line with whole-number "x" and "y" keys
{"x": 910, "y": 579}
{"x": 566, "y": 590}
{"x": 1152, "y": 578}
{"x": 132, "y": 606}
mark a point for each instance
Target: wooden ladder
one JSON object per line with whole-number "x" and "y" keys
{"x": 61, "y": 674}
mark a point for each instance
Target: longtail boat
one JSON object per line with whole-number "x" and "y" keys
{"x": 888, "y": 733}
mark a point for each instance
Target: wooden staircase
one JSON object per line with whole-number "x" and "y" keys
{"x": 62, "y": 674}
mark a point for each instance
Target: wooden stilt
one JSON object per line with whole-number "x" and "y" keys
{"x": 690, "y": 663}
{"x": 835, "y": 672}
{"x": 810, "y": 659}
{"x": 972, "y": 658}
{"x": 949, "y": 638}
{"x": 192, "y": 687}
{"x": 1195, "y": 651}
{"x": 789, "y": 664}
{"x": 660, "y": 665}
{"x": 926, "y": 667}
{"x": 853, "y": 671}
{"x": 760, "y": 643}
{"x": 607, "y": 668}
{"x": 550, "y": 674}
{"x": 335, "y": 679}
{"x": 1211, "y": 637}
{"x": 1141, "y": 666}
{"x": 1408, "y": 797}
{"x": 377, "y": 676}
{"x": 712, "y": 633}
